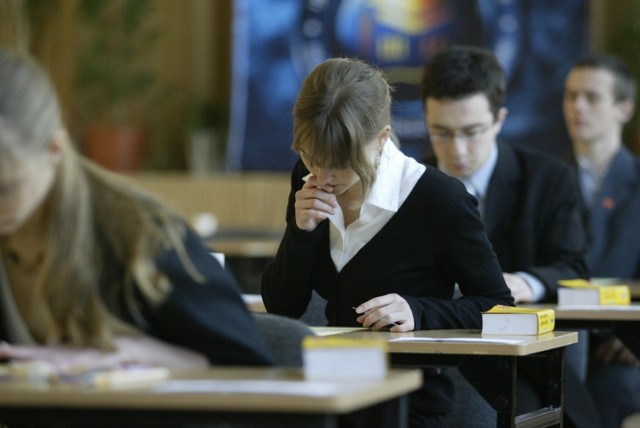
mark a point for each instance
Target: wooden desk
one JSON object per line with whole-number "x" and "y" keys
{"x": 277, "y": 398}
{"x": 594, "y": 316}
{"x": 490, "y": 363}
{"x": 629, "y": 313}
{"x": 246, "y": 246}
{"x": 624, "y": 320}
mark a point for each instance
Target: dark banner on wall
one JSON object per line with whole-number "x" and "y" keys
{"x": 276, "y": 43}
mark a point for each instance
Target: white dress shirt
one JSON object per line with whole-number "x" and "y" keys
{"x": 590, "y": 178}
{"x": 396, "y": 177}
{"x": 478, "y": 182}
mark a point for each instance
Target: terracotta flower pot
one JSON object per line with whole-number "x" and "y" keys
{"x": 117, "y": 147}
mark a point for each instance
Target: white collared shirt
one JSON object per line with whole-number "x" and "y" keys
{"x": 590, "y": 178}
{"x": 478, "y": 182}
{"x": 396, "y": 177}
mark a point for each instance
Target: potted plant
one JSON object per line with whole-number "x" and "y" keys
{"x": 204, "y": 149}
{"x": 114, "y": 81}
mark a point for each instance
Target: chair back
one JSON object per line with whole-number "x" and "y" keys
{"x": 284, "y": 337}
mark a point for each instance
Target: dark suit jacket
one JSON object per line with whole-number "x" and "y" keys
{"x": 613, "y": 221}
{"x": 532, "y": 213}
{"x": 613, "y": 229}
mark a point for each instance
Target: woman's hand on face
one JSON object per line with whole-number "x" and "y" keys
{"x": 313, "y": 204}
{"x": 129, "y": 349}
{"x": 390, "y": 309}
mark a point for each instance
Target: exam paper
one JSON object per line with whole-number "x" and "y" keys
{"x": 625, "y": 308}
{"x": 457, "y": 340}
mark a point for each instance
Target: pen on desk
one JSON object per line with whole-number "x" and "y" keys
{"x": 382, "y": 318}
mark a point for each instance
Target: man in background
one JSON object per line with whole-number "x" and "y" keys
{"x": 599, "y": 99}
{"x": 530, "y": 202}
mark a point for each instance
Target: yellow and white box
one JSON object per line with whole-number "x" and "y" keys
{"x": 582, "y": 292}
{"x": 517, "y": 320}
{"x": 337, "y": 358}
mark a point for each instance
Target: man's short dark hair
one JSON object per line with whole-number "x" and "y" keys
{"x": 624, "y": 87}
{"x": 464, "y": 71}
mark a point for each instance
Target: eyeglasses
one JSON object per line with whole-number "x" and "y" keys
{"x": 444, "y": 136}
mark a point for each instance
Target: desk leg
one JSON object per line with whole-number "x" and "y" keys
{"x": 547, "y": 368}
{"x": 390, "y": 414}
{"x": 495, "y": 379}
{"x": 547, "y": 371}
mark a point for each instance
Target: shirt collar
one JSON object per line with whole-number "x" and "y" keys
{"x": 395, "y": 178}
{"x": 479, "y": 180}
{"x": 385, "y": 192}
{"x": 588, "y": 167}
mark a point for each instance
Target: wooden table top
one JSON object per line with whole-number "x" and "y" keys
{"x": 465, "y": 341}
{"x": 594, "y": 312}
{"x": 246, "y": 247}
{"x": 225, "y": 389}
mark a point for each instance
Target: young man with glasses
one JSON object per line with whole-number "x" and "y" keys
{"x": 530, "y": 202}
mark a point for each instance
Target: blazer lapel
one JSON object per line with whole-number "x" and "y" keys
{"x": 615, "y": 188}
{"x": 502, "y": 194}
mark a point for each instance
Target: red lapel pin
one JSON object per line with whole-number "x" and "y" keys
{"x": 608, "y": 203}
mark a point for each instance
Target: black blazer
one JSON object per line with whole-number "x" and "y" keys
{"x": 533, "y": 217}
{"x": 435, "y": 240}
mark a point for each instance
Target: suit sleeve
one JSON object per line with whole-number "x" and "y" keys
{"x": 469, "y": 260}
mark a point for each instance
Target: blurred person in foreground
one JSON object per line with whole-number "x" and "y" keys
{"x": 94, "y": 273}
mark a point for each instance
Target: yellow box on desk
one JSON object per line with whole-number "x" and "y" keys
{"x": 583, "y": 292}
{"x": 339, "y": 358}
{"x": 516, "y": 320}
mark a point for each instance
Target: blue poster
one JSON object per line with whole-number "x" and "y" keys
{"x": 276, "y": 43}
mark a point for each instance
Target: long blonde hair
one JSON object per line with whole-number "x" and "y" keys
{"x": 103, "y": 234}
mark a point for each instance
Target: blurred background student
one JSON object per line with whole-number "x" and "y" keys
{"x": 92, "y": 271}
{"x": 382, "y": 238}
{"x": 599, "y": 99}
